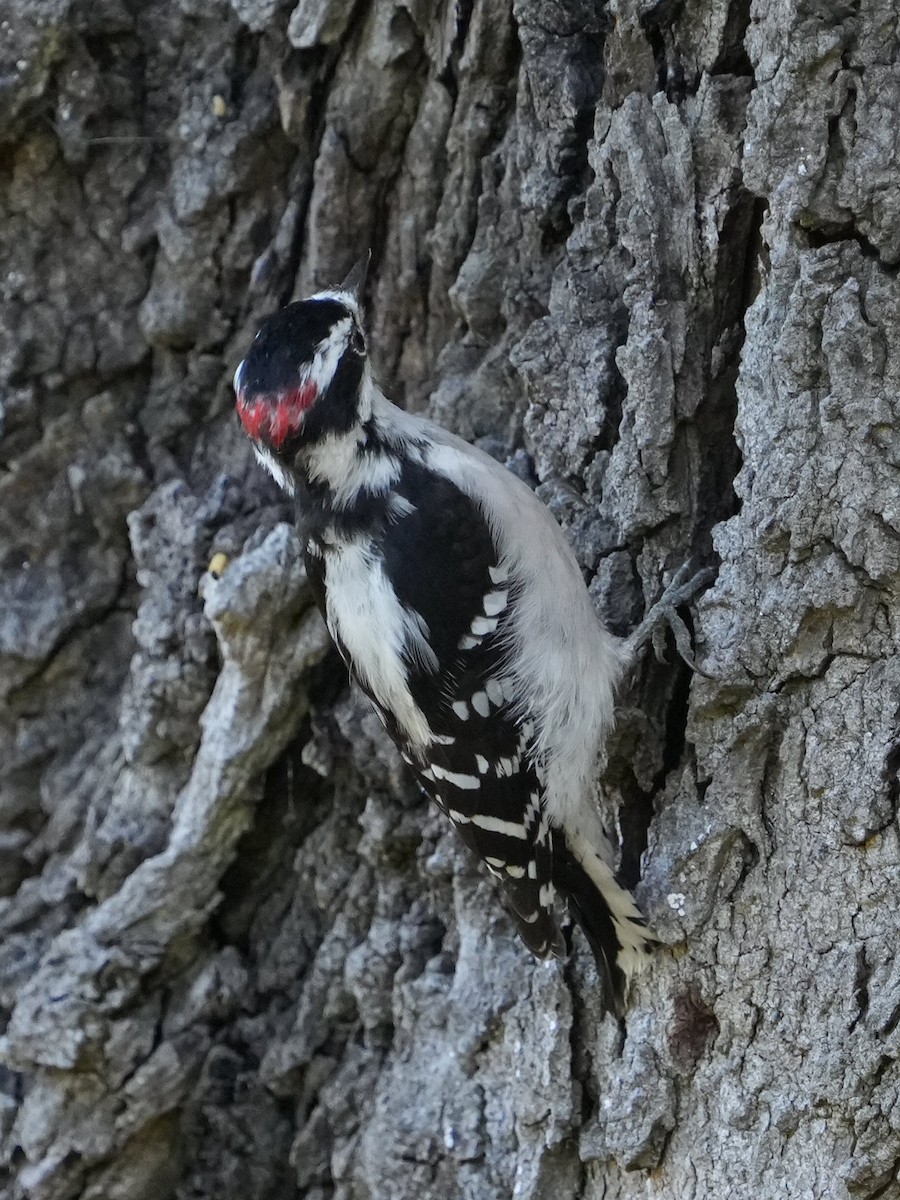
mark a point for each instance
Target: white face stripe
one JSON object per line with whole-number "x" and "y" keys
{"x": 328, "y": 354}
{"x": 279, "y": 473}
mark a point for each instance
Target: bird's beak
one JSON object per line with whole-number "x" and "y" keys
{"x": 356, "y": 280}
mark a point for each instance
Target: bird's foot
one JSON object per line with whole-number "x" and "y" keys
{"x": 684, "y": 586}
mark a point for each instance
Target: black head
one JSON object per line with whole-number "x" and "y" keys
{"x": 302, "y": 376}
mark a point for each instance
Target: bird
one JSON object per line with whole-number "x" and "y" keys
{"x": 457, "y": 603}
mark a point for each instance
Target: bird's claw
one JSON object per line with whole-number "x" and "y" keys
{"x": 684, "y": 586}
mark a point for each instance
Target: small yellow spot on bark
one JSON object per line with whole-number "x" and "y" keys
{"x": 217, "y": 565}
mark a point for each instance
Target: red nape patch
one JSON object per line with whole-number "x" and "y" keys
{"x": 252, "y": 414}
{"x": 274, "y": 419}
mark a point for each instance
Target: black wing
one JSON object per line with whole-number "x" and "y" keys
{"x": 442, "y": 561}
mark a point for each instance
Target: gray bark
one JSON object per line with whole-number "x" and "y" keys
{"x": 656, "y": 247}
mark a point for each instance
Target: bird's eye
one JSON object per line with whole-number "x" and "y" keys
{"x": 357, "y": 341}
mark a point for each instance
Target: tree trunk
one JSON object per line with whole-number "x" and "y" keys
{"x": 648, "y": 254}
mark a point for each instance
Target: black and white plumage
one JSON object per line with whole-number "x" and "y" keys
{"x": 458, "y": 606}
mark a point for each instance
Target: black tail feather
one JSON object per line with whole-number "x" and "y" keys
{"x": 592, "y": 913}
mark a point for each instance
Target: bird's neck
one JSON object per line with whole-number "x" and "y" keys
{"x": 346, "y": 474}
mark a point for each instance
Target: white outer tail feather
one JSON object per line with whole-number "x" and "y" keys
{"x": 633, "y": 935}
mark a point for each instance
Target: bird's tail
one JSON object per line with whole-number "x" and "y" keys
{"x": 607, "y": 912}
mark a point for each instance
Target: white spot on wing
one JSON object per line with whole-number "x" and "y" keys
{"x": 461, "y": 709}
{"x": 484, "y": 625}
{"x": 494, "y": 603}
{"x": 481, "y": 705}
{"x": 494, "y": 691}
{"x": 467, "y": 642}
{"x": 546, "y": 894}
{"x": 515, "y": 872}
{"x": 482, "y": 763}
{"x": 498, "y": 574}
{"x": 463, "y": 782}
{"x": 533, "y": 811}
{"x": 496, "y": 825}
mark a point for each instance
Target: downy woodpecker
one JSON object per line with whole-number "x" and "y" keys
{"x": 460, "y": 610}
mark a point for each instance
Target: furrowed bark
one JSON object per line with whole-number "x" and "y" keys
{"x": 648, "y": 255}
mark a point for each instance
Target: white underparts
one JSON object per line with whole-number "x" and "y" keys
{"x": 365, "y": 615}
